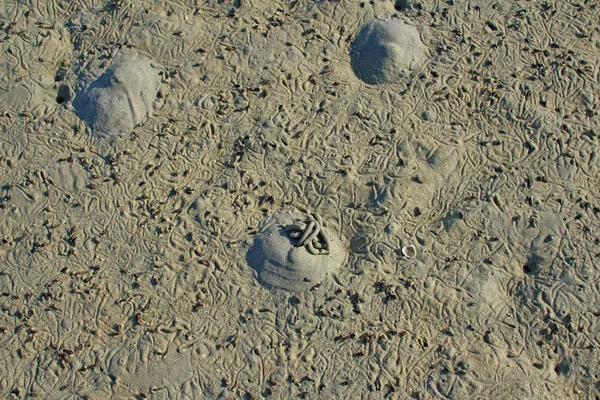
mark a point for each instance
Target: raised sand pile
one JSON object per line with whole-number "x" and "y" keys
{"x": 121, "y": 98}
{"x": 385, "y": 51}
{"x": 295, "y": 252}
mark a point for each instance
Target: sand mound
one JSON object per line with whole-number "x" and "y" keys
{"x": 386, "y": 51}
{"x": 284, "y": 260}
{"x": 119, "y": 99}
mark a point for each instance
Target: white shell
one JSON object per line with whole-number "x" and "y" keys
{"x": 409, "y": 251}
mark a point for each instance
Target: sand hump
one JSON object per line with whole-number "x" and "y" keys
{"x": 295, "y": 252}
{"x": 386, "y": 51}
{"x": 119, "y": 99}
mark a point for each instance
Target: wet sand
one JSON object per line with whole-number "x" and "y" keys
{"x": 123, "y": 258}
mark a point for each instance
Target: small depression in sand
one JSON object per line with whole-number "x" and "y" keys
{"x": 121, "y": 98}
{"x": 385, "y": 51}
{"x": 295, "y": 252}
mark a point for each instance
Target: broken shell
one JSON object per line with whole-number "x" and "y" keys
{"x": 409, "y": 251}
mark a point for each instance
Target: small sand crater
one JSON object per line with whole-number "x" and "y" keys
{"x": 385, "y": 51}
{"x": 295, "y": 252}
{"x": 121, "y": 98}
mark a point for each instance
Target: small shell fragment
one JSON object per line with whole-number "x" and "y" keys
{"x": 409, "y": 251}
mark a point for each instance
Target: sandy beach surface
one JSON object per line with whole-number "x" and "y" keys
{"x": 338, "y": 199}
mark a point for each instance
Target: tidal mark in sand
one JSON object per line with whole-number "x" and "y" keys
{"x": 121, "y": 98}
{"x": 295, "y": 252}
{"x": 385, "y": 51}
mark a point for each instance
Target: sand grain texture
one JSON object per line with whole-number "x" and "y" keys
{"x": 123, "y": 268}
